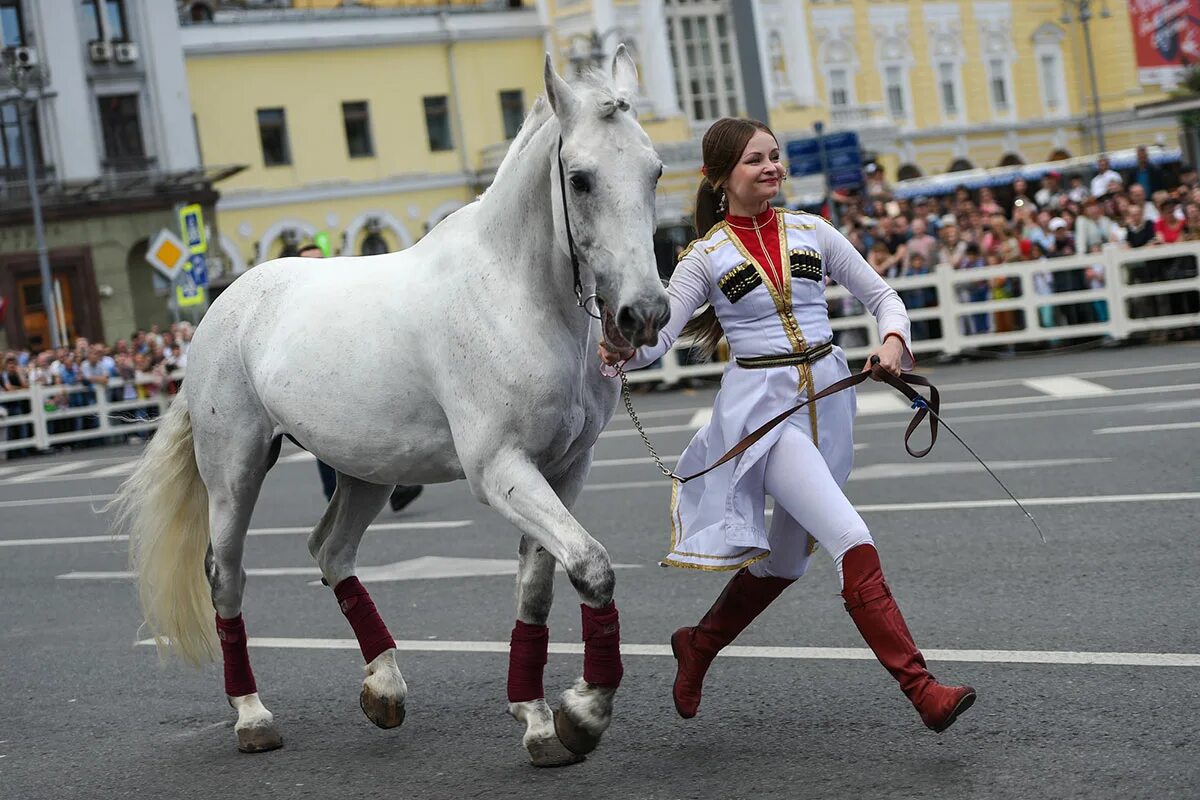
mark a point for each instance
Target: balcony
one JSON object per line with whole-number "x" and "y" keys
{"x": 857, "y": 117}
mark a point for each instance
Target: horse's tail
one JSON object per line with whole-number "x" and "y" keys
{"x": 163, "y": 506}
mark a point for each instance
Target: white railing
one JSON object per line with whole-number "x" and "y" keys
{"x": 1130, "y": 297}
{"x": 42, "y": 417}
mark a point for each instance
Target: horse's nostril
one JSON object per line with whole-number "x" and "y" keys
{"x": 627, "y": 320}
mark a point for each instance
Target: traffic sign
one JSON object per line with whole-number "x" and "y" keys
{"x": 842, "y": 159}
{"x": 187, "y": 293}
{"x": 191, "y": 225}
{"x": 166, "y": 254}
{"x": 197, "y": 267}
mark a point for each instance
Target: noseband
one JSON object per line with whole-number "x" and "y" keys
{"x": 580, "y": 300}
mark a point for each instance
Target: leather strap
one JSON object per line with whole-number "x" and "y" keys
{"x": 903, "y": 383}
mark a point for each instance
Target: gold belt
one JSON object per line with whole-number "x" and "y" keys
{"x": 808, "y": 356}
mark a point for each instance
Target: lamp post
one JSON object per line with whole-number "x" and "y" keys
{"x": 594, "y": 55}
{"x": 23, "y": 81}
{"x": 1083, "y": 10}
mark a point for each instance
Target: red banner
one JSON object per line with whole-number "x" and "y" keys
{"x": 1166, "y": 37}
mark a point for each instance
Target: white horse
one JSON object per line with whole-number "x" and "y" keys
{"x": 481, "y": 365}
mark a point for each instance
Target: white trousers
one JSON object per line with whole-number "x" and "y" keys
{"x": 799, "y": 480}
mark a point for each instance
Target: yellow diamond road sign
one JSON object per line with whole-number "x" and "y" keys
{"x": 167, "y": 254}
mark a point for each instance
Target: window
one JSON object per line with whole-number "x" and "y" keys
{"x": 999, "y": 84}
{"x": 120, "y": 120}
{"x": 893, "y": 81}
{"x": 12, "y": 31}
{"x": 437, "y": 123}
{"x": 1051, "y": 76}
{"x": 704, "y": 54}
{"x": 948, "y": 89}
{"x": 272, "y": 134}
{"x": 512, "y": 109}
{"x": 357, "y": 120}
{"x": 12, "y": 149}
{"x": 111, "y": 27}
{"x": 839, "y": 89}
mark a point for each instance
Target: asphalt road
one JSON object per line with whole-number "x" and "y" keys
{"x": 1085, "y": 651}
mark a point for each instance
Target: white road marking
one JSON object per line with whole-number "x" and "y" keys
{"x": 1166, "y": 426}
{"x": 1066, "y": 386}
{"x": 886, "y": 471}
{"x": 658, "y": 429}
{"x": 385, "y": 526}
{"x": 645, "y": 459}
{"x": 301, "y": 456}
{"x": 51, "y": 501}
{"x": 30, "y": 477}
{"x": 423, "y": 568}
{"x": 1095, "y": 659}
{"x": 116, "y": 469}
{"x": 1160, "y": 497}
{"x": 700, "y": 418}
{"x": 870, "y": 403}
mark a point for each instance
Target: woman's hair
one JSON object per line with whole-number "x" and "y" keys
{"x": 722, "y": 148}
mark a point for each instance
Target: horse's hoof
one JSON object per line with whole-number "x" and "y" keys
{"x": 259, "y": 739}
{"x": 386, "y": 712}
{"x": 551, "y": 753}
{"x": 574, "y": 737}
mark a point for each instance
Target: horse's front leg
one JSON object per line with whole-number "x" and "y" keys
{"x": 334, "y": 544}
{"x": 514, "y": 487}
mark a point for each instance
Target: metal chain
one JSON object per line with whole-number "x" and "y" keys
{"x": 663, "y": 468}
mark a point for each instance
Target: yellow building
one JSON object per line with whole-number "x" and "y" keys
{"x": 372, "y": 121}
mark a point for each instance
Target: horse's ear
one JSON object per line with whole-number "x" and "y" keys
{"x": 562, "y": 97}
{"x": 624, "y": 72}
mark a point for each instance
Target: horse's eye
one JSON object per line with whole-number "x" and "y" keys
{"x": 581, "y": 184}
{"x": 661, "y": 170}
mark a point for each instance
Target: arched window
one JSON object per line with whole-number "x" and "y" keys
{"x": 1011, "y": 160}
{"x": 373, "y": 245}
{"x": 908, "y": 172}
{"x": 1059, "y": 155}
{"x": 960, "y": 165}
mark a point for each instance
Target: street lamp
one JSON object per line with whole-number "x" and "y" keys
{"x": 1083, "y": 10}
{"x": 594, "y": 55}
{"x": 26, "y": 83}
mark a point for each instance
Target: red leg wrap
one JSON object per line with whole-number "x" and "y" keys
{"x": 526, "y": 659}
{"x": 356, "y": 604}
{"x": 239, "y": 678}
{"x": 602, "y": 646}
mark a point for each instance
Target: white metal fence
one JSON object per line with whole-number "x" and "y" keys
{"x": 42, "y": 417}
{"x": 1115, "y": 294}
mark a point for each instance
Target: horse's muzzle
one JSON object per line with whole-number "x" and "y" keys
{"x": 640, "y": 322}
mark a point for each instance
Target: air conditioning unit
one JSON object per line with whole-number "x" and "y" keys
{"x": 24, "y": 57}
{"x": 125, "y": 52}
{"x": 100, "y": 52}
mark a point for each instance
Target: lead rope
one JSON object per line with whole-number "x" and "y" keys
{"x": 663, "y": 468}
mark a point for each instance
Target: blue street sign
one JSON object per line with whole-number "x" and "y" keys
{"x": 843, "y": 159}
{"x": 197, "y": 266}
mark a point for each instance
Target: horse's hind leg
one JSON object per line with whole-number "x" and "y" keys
{"x": 527, "y": 654}
{"x": 233, "y": 467}
{"x": 513, "y": 486}
{"x": 334, "y": 544}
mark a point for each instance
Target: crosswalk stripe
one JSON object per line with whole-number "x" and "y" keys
{"x": 1066, "y": 386}
{"x": 116, "y": 470}
{"x": 1069, "y": 657}
{"x": 57, "y": 469}
{"x": 1166, "y": 426}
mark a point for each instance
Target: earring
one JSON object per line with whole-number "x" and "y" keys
{"x": 722, "y": 205}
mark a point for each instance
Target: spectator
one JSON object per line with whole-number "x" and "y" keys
{"x": 1077, "y": 192}
{"x": 1139, "y": 231}
{"x": 1169, "y": 227}
{"x": 1093, "y": 230}
{"x": 921, "y": 243}
{"x": 1106, "y": 178}
{"x": 1021, "y": 193}
{"x": 1064, "y": 240}
{"x": 1147, "y": 175}
{"x": 1051, "y": 196}
{"x": 951, "y": 246}
{"x": 1137, "y": 197}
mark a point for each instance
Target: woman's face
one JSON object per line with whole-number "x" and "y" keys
{"x": 755, "y": 179}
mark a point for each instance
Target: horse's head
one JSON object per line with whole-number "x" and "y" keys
{"x": 611, "y": 171}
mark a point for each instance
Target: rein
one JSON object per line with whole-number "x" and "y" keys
{"x": 580, "y": 300}
{"x": 902, "y": 383}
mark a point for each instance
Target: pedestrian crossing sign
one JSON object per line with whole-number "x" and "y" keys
{"x": 187, "y": 293}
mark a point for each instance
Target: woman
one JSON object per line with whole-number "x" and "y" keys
{"x": 763, "y": 273}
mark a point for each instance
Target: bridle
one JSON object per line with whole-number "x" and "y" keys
{"x": 580, "y": 300}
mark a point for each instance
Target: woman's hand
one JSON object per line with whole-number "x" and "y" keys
{"x": 614, "y": 357}
{"x": 890, "y": 354}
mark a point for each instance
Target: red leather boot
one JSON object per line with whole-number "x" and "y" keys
{"x": 870, "y": 603}
{"x": 695, "y": 648}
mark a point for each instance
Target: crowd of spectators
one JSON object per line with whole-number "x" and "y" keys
{"x": 1060, "y": 215}
{"x": 139, "y": 368}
